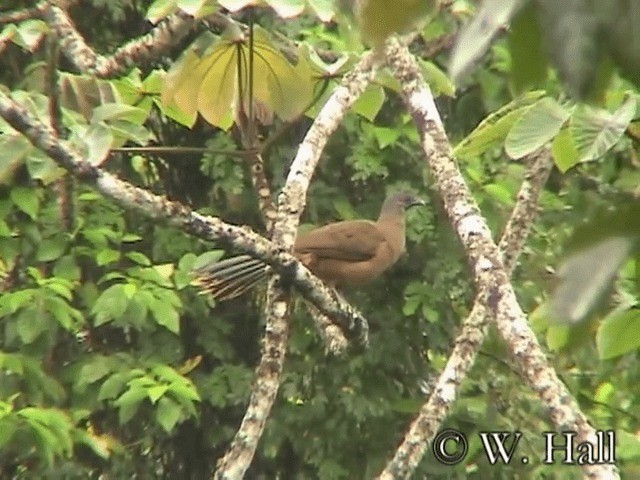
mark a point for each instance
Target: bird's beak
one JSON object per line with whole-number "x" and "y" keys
{"x": 416, "y": 201}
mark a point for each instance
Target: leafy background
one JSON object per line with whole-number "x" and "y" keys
{"x": 111, "y": 363}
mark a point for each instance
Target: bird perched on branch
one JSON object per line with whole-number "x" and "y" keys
{"x": 351, "y": 252}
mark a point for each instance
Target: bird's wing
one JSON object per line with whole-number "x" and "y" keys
{"x": 351, "y": 240}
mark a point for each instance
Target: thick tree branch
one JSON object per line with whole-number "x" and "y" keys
{"x": 484, "y": 257}
{"x": 242, "y": 239}
{"x": 468, "y": 343}
{"x": 166, "y": 34}
{"x": 291, "y": 203}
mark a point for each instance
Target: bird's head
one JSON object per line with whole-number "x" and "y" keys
{"x": 397, "y": 203}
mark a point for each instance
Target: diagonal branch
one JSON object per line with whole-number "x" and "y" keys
{"x": 291, "y": 203}
{"x": 424, "y": 426}
{"x": 242, "y": 239}
{"x": 490, "y": 275}
{"x": 158, "y": 41}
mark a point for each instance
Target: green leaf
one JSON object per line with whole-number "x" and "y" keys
{"x": 118, "y": 111}
{"x": 377, "y": 21}
{"x": 51, "y": 248}
{"x": 618, "y": 334}
{"x": 113, "y": 385}
{"x": 538, "y": 125}
{"x": 98, "y": 367}
{"x": 139, "y": 258}
{"x": 571, "y": 33}
{"x": 587, "y": 275}
{"x": 128, "y": 403}
{"x": 438, "y": 80}
{"x": 97, "y": 141}
{"x": 528, "y": 61}
{"x": 564, "y": 151}
{"x": 475, "y": 38}
{"x": 111, "y": 304}
{"x": 168, "y": 413}
{"x": 31, "y": 324}
{"x": 500, "y": 193}
{"x": 595, "y": 131}
{"x": 165, "y": 314}
{"x": 495, "y": 128}
{"x": 26, "y": 199}
{"x": 156, "y": 392}
{"x": 370, "y": 102}
{"x": 107, "y": 256}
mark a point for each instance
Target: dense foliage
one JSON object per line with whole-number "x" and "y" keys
{"x": 112, "y": 363}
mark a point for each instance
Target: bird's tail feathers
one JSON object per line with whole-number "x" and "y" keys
{"x": 231, "y": 277}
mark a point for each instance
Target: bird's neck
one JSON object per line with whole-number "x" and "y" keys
{"x": 393, "y": 226}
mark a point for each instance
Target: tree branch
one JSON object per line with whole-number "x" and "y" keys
{"x": 291, "y": 203}
{"x": 490, "y": 275}
{"x": 167, "y": 33}
{"x": 242, "y": 239}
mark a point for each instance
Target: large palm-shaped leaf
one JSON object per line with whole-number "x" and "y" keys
{"x": 212, "y": 83}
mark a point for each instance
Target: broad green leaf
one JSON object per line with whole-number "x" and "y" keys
{"x": 128, "y": 403}
{"x": 51, "y": 248}
{"x": 438, "y": 80}
{"x": 107, "y": 256}
{"x": 113, "y": 385}
{"x": 30, "y": 33}
{"x": 586, "y": 276}
{"x": 156, "y": 392}
{"x": 119, "y": 111}
{"x": 595, "y": 131}
{"x": 43, "y": 168}
{"x": 528, "y": 61}
{"x": 111, "y": 304}
{"x": 165, "y": 314}
{"x": 26, "y": 199}
{"x": 370, "y": 102}
{"x": 31, "y": 324}
{"x": 96, "y": 141}
{"x": 377, "y": 20}
{"x": 168, "y": 414}
{"x": 494, "y": 129}
{"x": 82, "y": 93}
{"x": 619, "y": 21}
{"x": 139, "y": 258}
{"x": 618, "y": 334}
{"x": 98, "y": 367}
{"x": 208, "y": 84}
{"x": 538, "y": 125}
{"x": 564, "y": 151}
{"x": 500, "y": 193}
{"x": 570, "y": 30}
{"x": 475, "y": 38}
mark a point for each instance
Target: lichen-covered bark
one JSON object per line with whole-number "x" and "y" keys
{"x": 291, "y": 203}
{"x": 490, "y": 275}
{"x": 242, "y": 239}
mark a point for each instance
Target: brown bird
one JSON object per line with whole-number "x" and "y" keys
{"x": 351, "y": 252}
